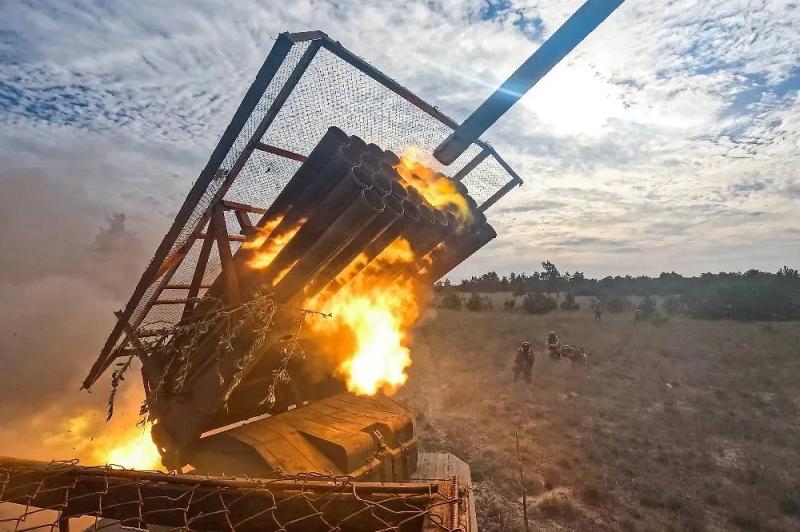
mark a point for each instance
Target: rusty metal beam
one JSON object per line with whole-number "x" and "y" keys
{"x": 499, "y": 194}
{"x": 236, "y": 206}
{"x": 226, "y": 257}
{"x": 245, "y": 224}
{"x": 274, "y": 150}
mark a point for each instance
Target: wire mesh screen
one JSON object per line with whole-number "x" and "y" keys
{"x": 237, "y": 150}
{"x": 310, "y": 85}
{"x": 334, "y": 93}
{"x": 60, "y": 495}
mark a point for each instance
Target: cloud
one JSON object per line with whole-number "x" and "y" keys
{"x": 793, "y": 190}
{"x": 667, "y": 141}
{"x": 745, "y": 188}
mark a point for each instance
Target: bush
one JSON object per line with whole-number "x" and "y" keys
{"x": 672, "y": 305}
{"x": 475, "y": 302}
{"x": 617, "y": 304}
{"x": 746, "y": 299}
{"x": 538, "y": 303}
{"x": 648, "y": 307}
{"x": 569, "y": 303}
{"x": 509, "y": 304}
{"x": 593, "y": 494}
{"x": 658, "y": 319}
{"x": 452, "y": 301}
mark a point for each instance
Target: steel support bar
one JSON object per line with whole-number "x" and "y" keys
{"x": 553, "y": 50}
{"x": 236, "y": 206}
{"x": 268, "y": 148}
{"x": 499, "y": 194}
{"x": 232, "y": 292}
{"x": 470, "y": 166}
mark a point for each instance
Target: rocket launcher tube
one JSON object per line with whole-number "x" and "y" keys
{"x": 342, "y": 195}
{"x": 316, "y": 162}
{"x": 358, "y": 214}
{"x": 392, "y": 211}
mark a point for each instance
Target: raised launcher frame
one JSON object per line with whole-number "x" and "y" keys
{"x": 273, "y": 131}
{"x": 307, "y": 83}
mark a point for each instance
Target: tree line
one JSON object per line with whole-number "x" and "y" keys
{"x": 748, "y": 296}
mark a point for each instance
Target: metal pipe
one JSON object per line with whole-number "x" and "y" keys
{"x": 382, "y": 183}
{"x": 460, "y": 250}
{"x": 393, "y": 209}
{"x": 390, "y": 158}
{"x": 309, "y": 171}
{"x": 342, "y": 195}
{"x": 553, "y": 50}
{"x": 399, "y": 191}
{"x": 410, "y": 216}
{"x": 346, "y": 156}
{"x": 338, "y": 234}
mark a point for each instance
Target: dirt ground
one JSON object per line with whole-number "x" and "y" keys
{"x": 688, "y": 425}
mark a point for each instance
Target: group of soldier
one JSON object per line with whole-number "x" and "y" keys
{"x": 523, "y": 362}
{"x": 598, "y": 313}
{"x": 526, "y": 356}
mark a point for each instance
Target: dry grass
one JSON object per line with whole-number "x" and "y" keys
{"x": 689, "y": 425}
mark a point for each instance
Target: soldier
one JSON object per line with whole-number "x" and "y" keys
{"x": 637, "y": 315}
{"x": 523, "y": 363}
{"x": 554, "y": 345}
{"x": 598, "y": 312}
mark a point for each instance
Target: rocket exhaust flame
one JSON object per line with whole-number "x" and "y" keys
{"x": 264, "y": 246}
{"x": 374, "y": 296}
{"x": 375, "y": 318}
{"x": 437, "y": 189}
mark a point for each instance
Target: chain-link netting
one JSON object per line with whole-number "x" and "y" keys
{"x": 64, "y": 495}
{"x": 330, "y": 92}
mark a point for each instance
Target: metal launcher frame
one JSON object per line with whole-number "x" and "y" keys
{"x": 307, "y": 83}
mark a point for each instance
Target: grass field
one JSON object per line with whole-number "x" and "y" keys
{"x": 689, "y": 425}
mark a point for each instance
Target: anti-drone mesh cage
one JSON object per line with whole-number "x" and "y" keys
{"x": 64, "y": 496}
{"x": 307, "y": 83}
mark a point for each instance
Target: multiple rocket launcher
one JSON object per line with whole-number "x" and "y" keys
{"x": 331, "y": 225}
{"x": 348, "y": 201}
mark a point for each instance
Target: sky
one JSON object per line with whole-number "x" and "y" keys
{"x": 669, "y": 140}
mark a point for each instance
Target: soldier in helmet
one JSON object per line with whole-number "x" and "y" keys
{"x": 554, "y": 345}
{"x": 523, "y": 363}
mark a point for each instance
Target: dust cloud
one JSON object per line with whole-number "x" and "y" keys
{"x": 66, "y": 263}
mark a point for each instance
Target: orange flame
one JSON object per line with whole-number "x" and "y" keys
{"x": 377, "y": 315}
{"x": 264, "y": 254}
{"x": 438, "y": 189}
{"x": 87, "y": 436}
{"x": 135, "y": 451}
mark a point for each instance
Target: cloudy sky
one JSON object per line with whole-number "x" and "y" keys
{"x": 669, "y": 140}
